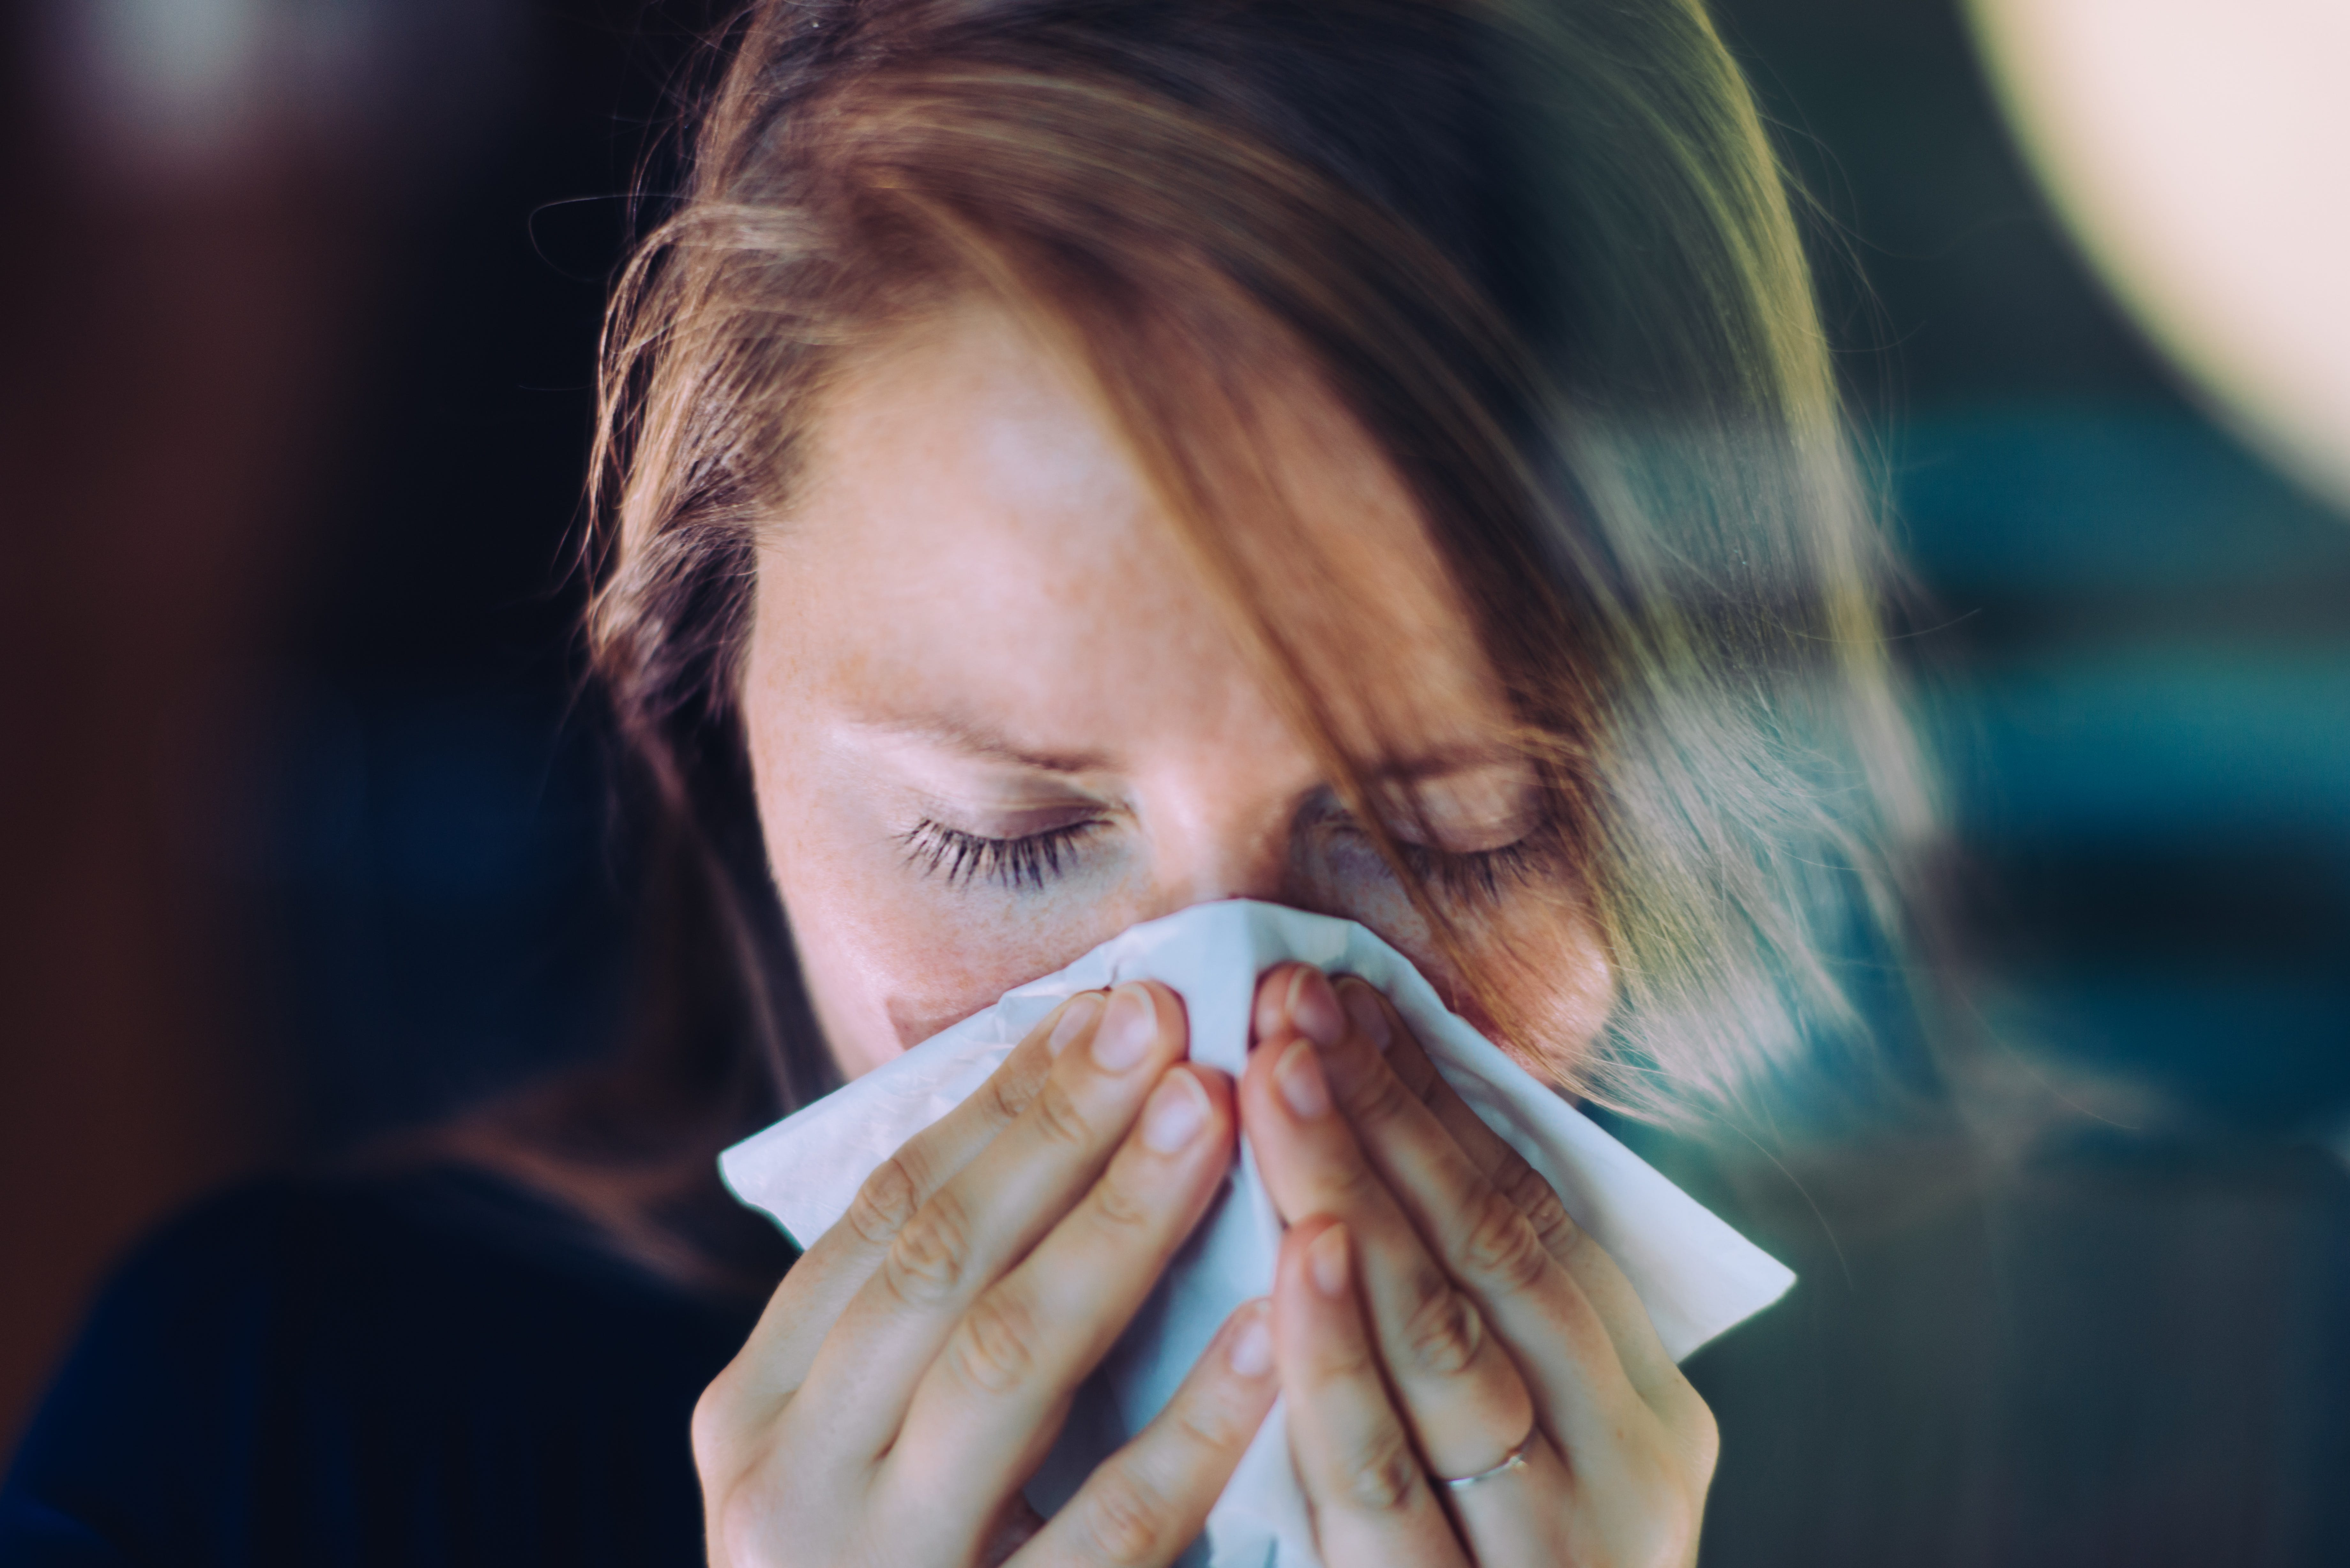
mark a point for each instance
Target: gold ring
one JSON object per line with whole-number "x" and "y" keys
{"x": 1515, "y": 1460}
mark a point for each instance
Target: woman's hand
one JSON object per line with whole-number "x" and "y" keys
{"x": 1438, "y": 1315}
{"x": 915, "y": 1366}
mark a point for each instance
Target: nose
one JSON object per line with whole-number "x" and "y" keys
{"x": 1206, "y": 854}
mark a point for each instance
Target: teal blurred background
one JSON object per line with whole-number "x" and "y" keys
{"x": 2138, "y": 653}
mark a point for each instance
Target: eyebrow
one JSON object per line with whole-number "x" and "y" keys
{"x": 977, "y": 740}
{"x": 1445, "y": 761}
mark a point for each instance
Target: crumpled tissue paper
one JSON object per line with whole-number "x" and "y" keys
{"x": 1694, "y": 1273}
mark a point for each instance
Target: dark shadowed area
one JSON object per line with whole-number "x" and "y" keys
{"x": 307, "y": 836}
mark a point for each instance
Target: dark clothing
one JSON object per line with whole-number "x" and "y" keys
{"x": 2108, "y": 1360}
{"x": 430, "y": 1368}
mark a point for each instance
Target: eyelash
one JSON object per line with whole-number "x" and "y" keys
{"x": 1035, "y": 860}
{"x": 1477, "y": 874}
{"x": 1015, "y": 863}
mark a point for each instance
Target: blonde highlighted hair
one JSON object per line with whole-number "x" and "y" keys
{"x": 1539, "y": 249}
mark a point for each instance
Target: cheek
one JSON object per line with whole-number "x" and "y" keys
{"x": 1539, "y": 953}
{"x": 899, "y": 966}
{"x": 887, "y": 966}
{"x": 1550, "y": 982}
{"x": 890, "y": 956}
{"x": 1550, "y": 975}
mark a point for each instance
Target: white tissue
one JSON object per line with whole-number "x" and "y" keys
{"x": 1695, "y": 1274}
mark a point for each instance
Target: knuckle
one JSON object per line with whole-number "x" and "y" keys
{"x": 1357, "y": 1361}
{"x": 1500, "y": 1247}
{"x": 1210, "y": 1425}
{"x": 1008, "y": 1095}
{"x": 1380, "y": 1098}
{"x": 1123, "y": 1519}
{"x": 1381, "y": 1475}
{"x": 1354, "y": 1189}
{"x": 931, "y": 1258}
{"x": 1337, "y": 1358}
{"x": 1057, "y": 1119}
{"x": 1444, "y": 1330}
{"x": 1119, "y": 1204}
{"x": 994, "y": 1346}
{"x": 885, "y": 1201}
{"x": 1522, "y": 1184}
{"x": 1554, "y": 1227}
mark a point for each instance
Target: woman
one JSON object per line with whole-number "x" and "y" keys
{"x": 1065, "y": 461}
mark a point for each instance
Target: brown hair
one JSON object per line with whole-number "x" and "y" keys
{"x": 1539, "y": 249}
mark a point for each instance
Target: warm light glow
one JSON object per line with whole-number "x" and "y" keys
{"x": 2201, "y": 154}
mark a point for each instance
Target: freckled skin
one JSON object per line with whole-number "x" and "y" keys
{"x": 971, "y": 566}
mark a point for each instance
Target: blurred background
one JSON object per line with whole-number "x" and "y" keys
{"x": 306, "y": 833}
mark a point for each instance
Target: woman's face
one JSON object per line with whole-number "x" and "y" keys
{"x": 996, "y": 716}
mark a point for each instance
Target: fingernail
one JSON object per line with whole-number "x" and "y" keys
{"x": 1362, "y": 1005}
{"x": 1300, "y": 1077}
{"x": 1313, "y": 1011}
{"x": 1326, "y": 1260}
{"x": 1251, "y": 1353}
{"x": 1076, "y": 1016}
{"x": 1127, "y": 1028}
{"x": 1177, "y": 1111}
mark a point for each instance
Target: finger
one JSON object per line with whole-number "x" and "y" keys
{"x": 1150, "y": 1500}
{"x": 988, "y": 1406}
{"x": 985, "y": 1218}
{"x": 1454, "y": 1381}
{"x": 899, "y": 1186}
{"x": 1519, "y": 1514}
{"x": 1371, "y": 1500}
{"x": 1626, "y": 1442}
{"x": 1419, "y": 1132}
{"x": 776, "y": 1359}
{"x": 1575, "y": 1329}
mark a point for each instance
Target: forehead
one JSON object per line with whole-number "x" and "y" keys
{"x": 970, "y": 515}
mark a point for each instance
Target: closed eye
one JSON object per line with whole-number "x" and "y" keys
{"x": 1471, "y": 874}
{"x": 1027, "y": 862}
{"x": 1478, "y": 873}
